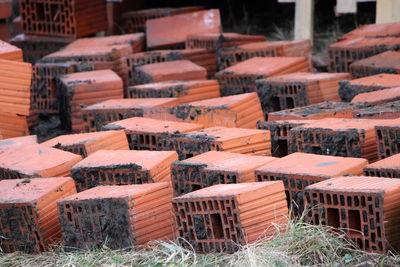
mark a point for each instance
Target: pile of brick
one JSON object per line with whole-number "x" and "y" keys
{"x": 241, "y": 78}
{"x": 387, "y": 62}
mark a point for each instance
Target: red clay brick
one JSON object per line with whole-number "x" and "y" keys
{"x": 375, "y": 30}
{"x": 16, "y": 142}
{"x": 299, "y": 170}
{"x": 63, "y": 18}
{"x": 222, "y": 217}
{"x": 28, "y": 210}
{"x": 336, "y": 137}
{"x": 378, "y": 97}
{"x": 230, "y": 56}
{"x": 298, "y": 89}
{"x": 279, "y": 134}
{"x": 390, "y": 110}
{"x": 171, "y": 32}
{"x": 13, "y": 125}
{"x": 85, "y": 144}
{"x": 146, "y": 134}
{"x": 5, "y": 9}
{"x": 366, "y": 208}
{"x": 9, "y": 51}
{"x": 169, "y": 71}
{"x": 241, "y": 78}
{"x": 185, "y": 91}
{"x": 123, "y": 167}
{"x": 214, "y": 167}
{"x": 97, "y": 115}
{"x": 122, "y": 216}
{"x": 36, "y": 161}
{"x": 388, "y": 137}
{"x": 135, "y": 21}
{"x": 387, "y": 62}
{"x": 236, "y": 140}
{"x": 388, "y": 167}
{"x": 85, "y": 88}
{"x": 345, "y": 52}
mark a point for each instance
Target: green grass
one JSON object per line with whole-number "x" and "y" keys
{"x": 300, "y": 245}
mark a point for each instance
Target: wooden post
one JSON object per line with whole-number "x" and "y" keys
{"x": 387, "y": 11}
{"x": 304, "y": 20}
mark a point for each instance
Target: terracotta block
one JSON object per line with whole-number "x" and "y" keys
{"x": 351, "y": 88}
{"x": 241, "y": 78}
{"x": 9, "y": 51}
{"x": 135, "y": 21}
{"x": 86, "y": 144}
{"x": 387, "y": 62}
{"x": 63, "y": 18}
{"x": 390, "y": 110}
{"x": 85, "y": 88}
{"x": 299, "y": 170}
{"x": 16, "y": 143}
{"x": 214, "y": 167}
{"x": 215, "y": 41}
{"x": 172, "y": 31}
{"x": 378, "y": 97}
{"x": 5, "y": 9}
{"x": 15, "y": 82}
{"x": 236, "y": 140}
{"x": 96, "y": 116}
{"x": 13, "y": 125}
{"x": 365, "y": 208}
{"x": 169, "y": 71}
{"x": 388, "y": 138}
{"x": 280, "y": 134}
{"x": 36, "y": 161}
{"x": 146, "y": 134}
{"x": 123, "y": 167}
{"x": 238, "y": 111}
{"x": 221, "y": 217}
{"x": 184, "y": 91}
{"x": 298, "y": 89}
{"x": 202, "y": 57}
{"x": 35, "y": 47}
{"x": 28, "y": 210}
{"x": 123, "y": 216}
{"x": 231, "y": 56}
{"x": 343, "y": 53}
{"x": 336, "y": 137}
{"x": 322, "y": 110}
{"x": 374, "y": 30}
{"x": 388, "y": 167}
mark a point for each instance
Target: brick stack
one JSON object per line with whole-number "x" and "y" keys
{"x": 122, "y": 216}
{"x": 390, "y": 110}
{"x": 378, "y": 97}
{"x": 374, "y": 30}
{"x": 9, "y": 51}
{"x": 96, "y": 116}
{"x": 85, "y": 88}
{"x": 345, "y": 52}
{"x": 17, "y": 142}
{"x": 171, "y": 32}
{"x": 169, "y": 71}
{"x": 387, "y": 62}
{"x": 366, "y": 208}
{"x": 298, "y": 89}
{"x": 123, "y": 167}
{"x": 349, "y": 89}
{"x": 388, "y": 138}
{"x": 135, "y": 21}
{"x": 308, "y": 169}
{"x": 212, "y": 168}
{"x": 235, "y": 140}
{"x": 279, "y": 134}
{"x": 388, "y": 167}
{"x": 336, "y": 137}
{"x": 322, "y": 110}
{"x": 86, "y": 144}
{"x": 28, "y": 211}
{"x": 146, "y": 134}
{"x": 36, "y": 161}
{"x": 241, "y": 77}
{"x": 222, "y": 217}
{"x": 227, "y": 57}
{"x": 184, "y": 91}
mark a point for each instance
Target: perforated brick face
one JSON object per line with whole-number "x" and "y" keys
{"x": 388, "y": 140}
{"x": 94, "y": 120}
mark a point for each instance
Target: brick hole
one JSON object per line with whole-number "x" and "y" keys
{"x": 328, "y": 199}
{"x": 321, "y": 198}
{"x": 335, "y": 200}
{"x": 354, "y": 222}
{"x": 275, "y": 103}
{"x": 379, "y": 232}
{"x": 377, "y": 216}
{"x": 349, "y": 202}
{"x": 356, "y": 201}
{"x": 216, "y": 223}
{"x": 316, "y": 219}
{"x": 333, "y": 217}
{"x": 380, "y": 246}
{"x": 379, "y": 132}
{"x": 289, "y": 103}
{"x": 282, "y": 148}
{"x": 360, "y": 243}
{"x": 373, "y": 237}
{"x": 342, "y": 200}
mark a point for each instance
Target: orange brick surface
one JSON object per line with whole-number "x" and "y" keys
{"x": 375, "y": 30}
{"x": 9, "y": 51}
{"x": 378, "y": 97}
{"x": 17, "y": 142}
{"x": 28, "y": 210}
